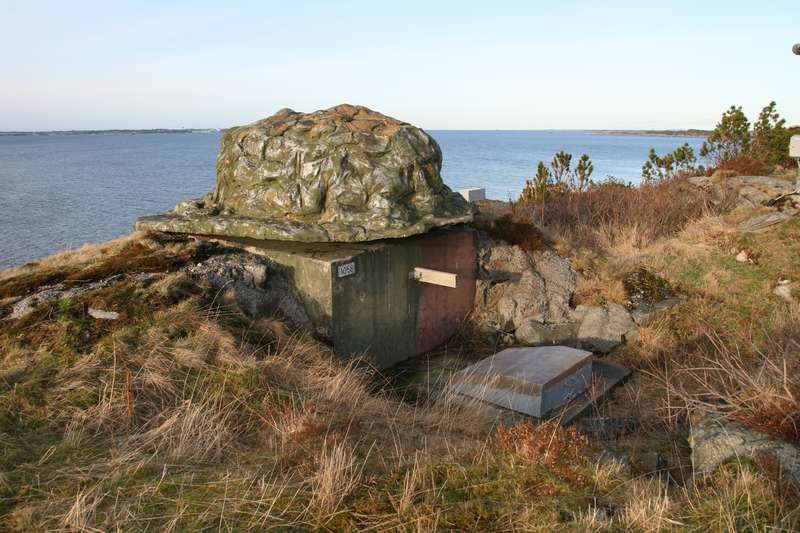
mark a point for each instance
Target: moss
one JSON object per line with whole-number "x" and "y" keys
{"x": 644, "y": 285}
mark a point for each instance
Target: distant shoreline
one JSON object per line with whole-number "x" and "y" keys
{"x": 655, "y": 133}
{"x": 109, "y": 132}
{"x": 639, "y": 133}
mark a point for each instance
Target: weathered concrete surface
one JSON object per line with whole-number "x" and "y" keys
{"x": 533, "y": 381}
{"x": 360, "y": 295}
{"x": 345, "y": 174}
{"x": 715, "y": 440}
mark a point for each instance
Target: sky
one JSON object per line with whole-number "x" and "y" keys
{"x": 436, "y": 64}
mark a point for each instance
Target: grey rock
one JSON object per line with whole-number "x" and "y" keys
{"x": 651, "y": 462}
{"x": 515, "y": 287}
{"x": 609, "y": 456}
{"x": 764, "y": 221}
{"x": 603, "y": 328}
{"x": 344, "y": 174}
{"x": 257, "y": 285}
{"x": 101, "y": 314}
{"x": 783, "y": 289}
{"x": 643, "y": 312}
{"x": 535, "y": 333}
{"x": 63, "y": 291}
{"x": 715, "y": 441}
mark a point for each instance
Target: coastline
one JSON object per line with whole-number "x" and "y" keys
{"x": 655, "y": 133}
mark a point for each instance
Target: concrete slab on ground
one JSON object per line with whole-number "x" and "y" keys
{"x": 533, "y": 381}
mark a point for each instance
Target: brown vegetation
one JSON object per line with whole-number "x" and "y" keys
{"x": 185, "y": 414}
{"x": 605, "y": 214}
{"x": 742, "y": 166}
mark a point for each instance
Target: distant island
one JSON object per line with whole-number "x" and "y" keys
{"x": 656, "y": 133}
{"x": 112, "y": 132}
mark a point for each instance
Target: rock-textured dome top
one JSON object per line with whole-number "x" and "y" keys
{"x": 344, "y": 174}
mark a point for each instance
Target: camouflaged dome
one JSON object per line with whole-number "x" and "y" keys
{"x": 344, "y": 174}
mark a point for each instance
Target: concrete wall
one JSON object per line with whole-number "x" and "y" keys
{"x": 360, "y": 296}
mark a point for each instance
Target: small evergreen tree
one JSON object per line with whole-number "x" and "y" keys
{"x": 730, "y": 138}
{"x": 560, "y": 166}
{"x": 583, "y": 171}
{"x": 682, "y": 161}
{"x": 542, "y": 181}
{"x": 770, "y": 142}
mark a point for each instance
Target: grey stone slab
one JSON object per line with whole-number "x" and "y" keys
{"x": 533, "y": 381}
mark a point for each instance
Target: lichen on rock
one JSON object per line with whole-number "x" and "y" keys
{"x": 345, "y": 174}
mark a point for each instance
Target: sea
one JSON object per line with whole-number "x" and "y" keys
{"x": 60, "y": 191}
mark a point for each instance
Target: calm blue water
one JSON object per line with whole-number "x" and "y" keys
{"x": 62, "y": 191}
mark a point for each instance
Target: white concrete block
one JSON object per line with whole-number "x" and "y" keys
{"x": 794, "y": 147}
{"x": 473, "y": 195}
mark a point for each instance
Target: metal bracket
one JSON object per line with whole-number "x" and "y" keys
{"x": 435, "y": 277}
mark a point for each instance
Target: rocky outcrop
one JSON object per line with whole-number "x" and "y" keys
{"x": 256, "y": 284}
{"x": 525, "y": 297}
{"x": 516, "y": 287}
{"x": 63, "y": 291}
{"x": 715, "y": 441}
{"x": 780, "y": 196}
{"x": 747, "y": 191}
{"x": 343, "y": 174}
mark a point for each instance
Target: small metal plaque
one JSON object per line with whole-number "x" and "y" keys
{"x": 346, "y": 269}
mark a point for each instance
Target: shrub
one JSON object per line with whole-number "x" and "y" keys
{"x": 560, "y": 167}
{"x": 547, "y": 443}
{"x": 610, "y": 210}
{"x": 743, "y": 166}
{"x": 730, "y": 138}
{"x": 583, "y": 173}
{"x": 770, "y": 142}
{"x": 681, "y": 162}
{"x": 518, "y": 232}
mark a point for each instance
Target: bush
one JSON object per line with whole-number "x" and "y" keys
{"x": 743, "y": 166}
{"x": 770, "y": 142}
{"x": 681, "y": 162}
{"x": 730, "y": 138}
{"x": 609, "y": 210}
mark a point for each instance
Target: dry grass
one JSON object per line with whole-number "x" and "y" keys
{"x": 649, "y": 506}
{"x": 760, "y": 389}
{"x": 184, "y": 415}
{"x": 610, "y": 215}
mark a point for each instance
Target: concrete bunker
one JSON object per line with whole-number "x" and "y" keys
{"x": 351, "y": 206}
{"x": 389, "y": 300}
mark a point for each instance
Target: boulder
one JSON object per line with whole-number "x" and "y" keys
{"x": 521, "y": 291}
{"x": 344, "y": 174}
{"x": 603, "y": 328}
{"x": 766, "y": 220}
{"x": 715, "y": 440}
{"x": 257, "y": 285}
{"x": 535, "y": 333}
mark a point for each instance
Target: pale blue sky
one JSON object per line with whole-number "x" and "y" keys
{"x": 458, "y": 65}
